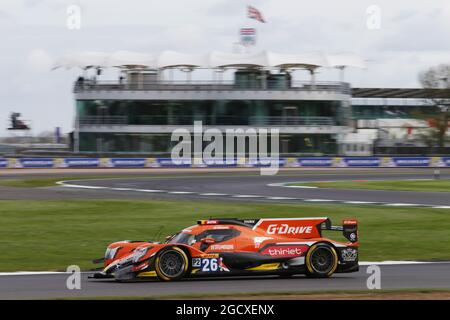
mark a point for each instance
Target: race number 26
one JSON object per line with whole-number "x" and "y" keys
{"x": 210, "y": 265}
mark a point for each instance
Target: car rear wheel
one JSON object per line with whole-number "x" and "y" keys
{"x": 171, "y": 264}
{"x": 321, "y": 261}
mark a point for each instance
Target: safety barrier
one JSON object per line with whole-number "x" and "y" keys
{"x": 316, "y": 162}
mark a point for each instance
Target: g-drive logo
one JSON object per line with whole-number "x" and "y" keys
{"x": 286, "y": 229}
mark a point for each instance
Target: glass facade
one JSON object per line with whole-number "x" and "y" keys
{"x": 125, "y": 142}
{"x": 235, "y": 113}
{"x": 389, "y": 112}
{"x": 218, "y": 112}
{"x": 161, "y": 144}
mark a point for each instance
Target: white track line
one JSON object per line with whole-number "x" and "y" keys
{"x": 282, "y": 198}
{"x": 368, "y": 263}
{"x": 361, "y": 263}
{"x": 301, "y": 187}
{"x": 180, "y": 192}
{"x": 68, "y": 185}
{"x": 148, "y": 190}
{"x": 85, "y": 187}
{"x": 285, "y": 185}
{"x": 289, "y": 184}
{"x": 212, "y": 194}
{"x": 245, "y": 196}
{"x": 39, "y": 273}
{"x": 359, "y": 202}
{"x": 30, "y": 273}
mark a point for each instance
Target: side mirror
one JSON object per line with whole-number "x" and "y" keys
{"x": 208, "y": 240}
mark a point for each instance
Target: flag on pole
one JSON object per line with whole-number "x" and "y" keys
{"x": 247, "y": 31}
{"x": 254, "y": 13}
{"x": 248, "y": 36}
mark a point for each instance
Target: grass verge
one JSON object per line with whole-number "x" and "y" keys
{"x": 402, "y": 185}
{"x": 50, "y": 235}
{"x": 38, "y": 182}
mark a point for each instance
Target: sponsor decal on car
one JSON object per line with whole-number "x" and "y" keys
{"x": 285, "y": 250}
{"x": 258, "y": 240}
{"x": 349, "y": 254}
{"x": 141, "y": 266}
{"x": 196, "y": 262}
{"x": 208, "y": 222}
{"x": 209, "y": 255}
{"x": 222, "y": 247}
{"x": 209, "y": 264}
{"x": 286, "y": 229}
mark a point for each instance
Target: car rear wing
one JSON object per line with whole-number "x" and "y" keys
{"x": 349, "y": 228}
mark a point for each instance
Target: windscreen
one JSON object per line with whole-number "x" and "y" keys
{"x": 184, "y": 238}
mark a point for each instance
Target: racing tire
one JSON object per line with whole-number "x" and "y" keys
{"x": 171, "y": 264}
{"x": 321, "y": 261}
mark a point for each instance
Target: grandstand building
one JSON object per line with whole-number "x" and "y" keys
{"x": 153, "y": 95}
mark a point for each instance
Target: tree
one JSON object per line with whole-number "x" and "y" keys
{"x": 436, "y": 83}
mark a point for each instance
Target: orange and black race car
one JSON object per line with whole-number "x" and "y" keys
{"x": 220, "y": 247}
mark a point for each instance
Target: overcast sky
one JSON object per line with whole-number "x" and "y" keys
{"x": 413, "y": 35}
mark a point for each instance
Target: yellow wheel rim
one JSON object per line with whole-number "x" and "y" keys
{"x": 309, "y": 264}
{"x": 161, "y": 274}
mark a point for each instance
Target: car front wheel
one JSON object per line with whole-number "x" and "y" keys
{"x": 171, "y": 264}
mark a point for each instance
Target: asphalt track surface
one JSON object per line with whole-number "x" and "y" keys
{"x": 254, "y": 187}
{"x": 435, "y": 275}
{"x": 230, "y": 186}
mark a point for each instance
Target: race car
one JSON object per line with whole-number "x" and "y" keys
{"x": 233, "y": 247}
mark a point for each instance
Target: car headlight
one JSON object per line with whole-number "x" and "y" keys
{"x": 139, "y": 253}
{"x": 111, "y": 253}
